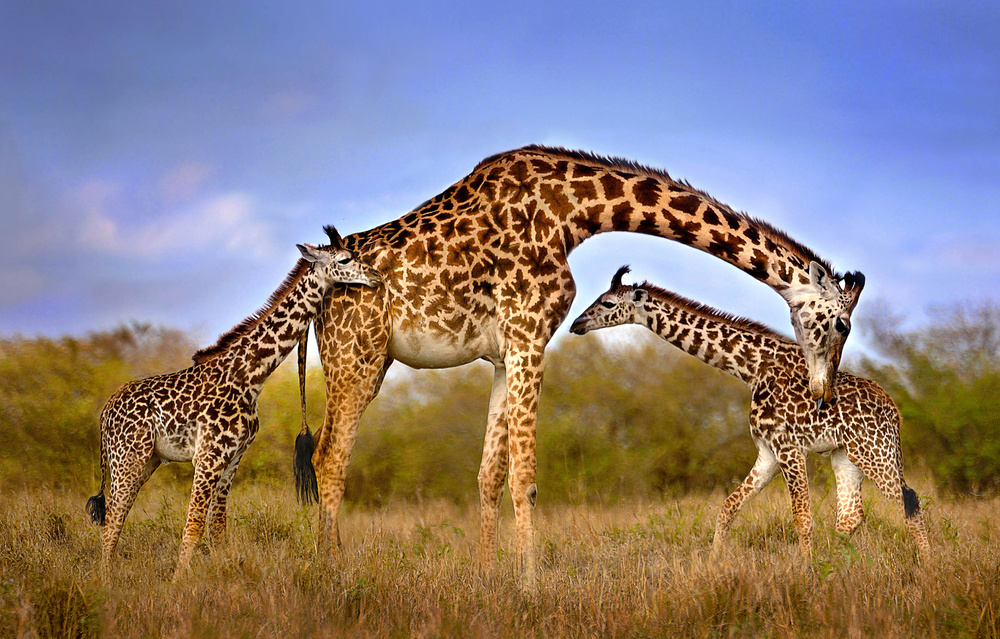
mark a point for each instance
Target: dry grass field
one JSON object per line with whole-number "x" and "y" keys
{"x": 629, "y": 569}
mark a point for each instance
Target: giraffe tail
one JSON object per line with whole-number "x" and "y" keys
{"x": 306, "y": 487}
{"x": 305, "y": 475}
{"x": 96, "y": 504}
{"x": 911, "y": 503}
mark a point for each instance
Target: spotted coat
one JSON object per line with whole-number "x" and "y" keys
{"x": 481, "y": 272}
{"x": 859, "y": 429}
{"x": 207, "y": 414}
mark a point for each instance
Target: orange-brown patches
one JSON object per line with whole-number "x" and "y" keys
{"x": 685, "y": 232}
{"x": 554, "y": 197}
{"x": 584, "y": 190}
{"x": 614, "y": 188}
{"x": 686, "y": 203}
{"x": 582, "y": 170}
{"x": 646, "y": 192}
{"x": 621, "y": 216}
{"x": 725, "y": 245}
{"x": 759, "y": 265}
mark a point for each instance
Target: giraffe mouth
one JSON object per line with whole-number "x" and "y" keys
{"x": 579, "y": 327}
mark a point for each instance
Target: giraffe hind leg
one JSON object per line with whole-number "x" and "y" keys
{"x": 848, "y": 477}
{"x": 126, "y": 480}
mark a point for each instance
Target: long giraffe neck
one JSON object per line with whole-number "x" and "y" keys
{"x": 594, "y": 195}
{"x": 732, "y": 344}
{"x": 254, "y": 348}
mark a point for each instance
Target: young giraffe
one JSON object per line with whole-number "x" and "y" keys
{"x": 859, "y": 429}
{"x": 480, "y": 272}
{"x": 207, "y": 414}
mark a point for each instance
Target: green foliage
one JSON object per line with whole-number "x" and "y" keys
{"x": 945, "y": 377}
{"x": 622, "y": 414}
{"x": 52, "y": 391}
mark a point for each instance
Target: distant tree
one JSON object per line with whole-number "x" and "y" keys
{"x": 945, "y": 378}
{"x": 52, "y": 391}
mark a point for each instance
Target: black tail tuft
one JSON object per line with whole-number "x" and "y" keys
{"x": 305, "y": 475}
{"x": 911, "y": 503}
{"x": 95, "y": 506}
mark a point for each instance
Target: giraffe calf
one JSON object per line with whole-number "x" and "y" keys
{"x": 859, "y": 430}
{"x": 207, "y": 414}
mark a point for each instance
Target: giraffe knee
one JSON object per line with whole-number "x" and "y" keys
{"x": 532, "y": 494}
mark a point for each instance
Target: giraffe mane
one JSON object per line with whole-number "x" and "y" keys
{"x": 623, "y": 165}
{"x": 710, "y": 312}
{"x": 230, "y": 337}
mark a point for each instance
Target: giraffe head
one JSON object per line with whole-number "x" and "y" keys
{"x": 621, "y": 304}
{"x": 335, "y": 264}
{"x": 821, "y": 317}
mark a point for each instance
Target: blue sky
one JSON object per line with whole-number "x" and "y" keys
{"x": 159, "y": 163}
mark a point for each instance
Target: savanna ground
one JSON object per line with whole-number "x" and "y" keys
{"x": 637, "y": 448}
{"x": 628, "y": 569}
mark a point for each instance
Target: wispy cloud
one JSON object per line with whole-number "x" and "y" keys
{"x": 184, "y": 182}
{"x": 226, "y": 221}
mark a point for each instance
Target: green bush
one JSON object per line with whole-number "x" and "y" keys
{"x": 945, "y": 377}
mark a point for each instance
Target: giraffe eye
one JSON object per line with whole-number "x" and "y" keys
{"x": 346, "y": 259}
{"x": 842, "y": 327}
{"x": 607, "y": 305}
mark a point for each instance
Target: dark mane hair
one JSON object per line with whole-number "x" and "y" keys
{"x": 227, "y": 339}
{"x": 711, "y": 313}
{"x": 631, "y": 167}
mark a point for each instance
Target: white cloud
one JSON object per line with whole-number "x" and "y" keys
{"x": 184, "y": 182}
{"x": 227, "y": 221}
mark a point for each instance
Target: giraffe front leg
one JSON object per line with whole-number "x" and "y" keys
{"x": 207, "y": 471}
{"x": 217, "y": 507}
{"x": 793, "y": 466}
{"x": 763, "y": 471}
{"x": 353, "y": 348}
{"x": 850, "y": 510}
{"x": 492, "y": 473}
{"x": 524, "y": 381}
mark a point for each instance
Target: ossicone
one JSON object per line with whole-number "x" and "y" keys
{"x": 854, "y": 278}
{"x": 335, "y": 240}
{"x": 616, "y": 281}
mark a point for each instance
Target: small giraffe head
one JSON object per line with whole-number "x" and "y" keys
{"x": 621, "y": 304}
{"x": 821, "y": 317}
{"x": 335, "y": 264}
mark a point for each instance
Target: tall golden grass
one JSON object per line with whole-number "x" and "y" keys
{"x": 628, "y": 569}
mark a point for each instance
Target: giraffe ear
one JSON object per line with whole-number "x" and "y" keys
{"x": 821, "y": 280}
{"x": 639, "y": 296}
{"x": 312, "y": 254}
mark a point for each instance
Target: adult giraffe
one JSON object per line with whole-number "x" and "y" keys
{"x": 480, "y": 272}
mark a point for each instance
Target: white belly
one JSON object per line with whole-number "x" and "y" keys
{"x": 424, "y": 348}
